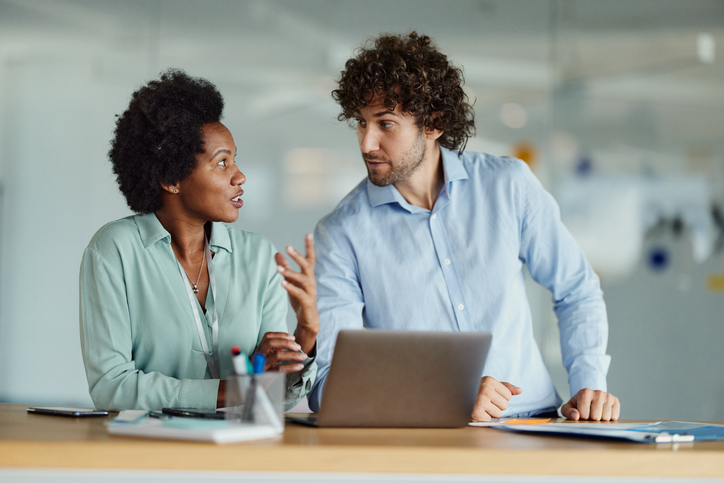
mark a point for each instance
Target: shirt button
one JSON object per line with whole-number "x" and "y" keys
{"x": 460, "y": 307}
{"x": 447, "y": 261}
{"x": 434, "y": 217}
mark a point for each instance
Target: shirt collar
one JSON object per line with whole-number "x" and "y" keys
{"x": 381, "y": 195}
{"x": 452, "y": 166}
{"x": 219, "y": 237}
{"x": 152, "y": 231}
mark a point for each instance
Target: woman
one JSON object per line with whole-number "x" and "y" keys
{"x": 165, "y": 294}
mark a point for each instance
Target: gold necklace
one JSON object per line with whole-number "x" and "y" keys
{"x": 195, "y": 285}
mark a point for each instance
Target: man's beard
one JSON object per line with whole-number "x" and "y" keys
{"x": 400, "y": 169}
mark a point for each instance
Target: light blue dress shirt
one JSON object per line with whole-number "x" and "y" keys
{"x": 383, "y": 263}
{"x": 141, "y": 347}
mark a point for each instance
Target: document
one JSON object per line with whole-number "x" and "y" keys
{"x": 498, "y": 421}
{"x": 659, "y": 432}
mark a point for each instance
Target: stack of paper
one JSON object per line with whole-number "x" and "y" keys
{"x": 138, "y": 423}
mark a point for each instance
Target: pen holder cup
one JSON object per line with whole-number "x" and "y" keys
{"x": 256, "y": 399}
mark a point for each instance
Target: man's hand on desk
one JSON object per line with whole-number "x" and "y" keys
{"x": 592, "y": 405}
{"x": 492, "y": 400}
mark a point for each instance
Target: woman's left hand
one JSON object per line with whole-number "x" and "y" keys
{"x": 281, "y": 352}
{"x": 302, "y": 290}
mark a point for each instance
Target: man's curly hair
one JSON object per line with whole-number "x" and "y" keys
{"x": 412, "y": 72}
{"x": 158, "y": 137}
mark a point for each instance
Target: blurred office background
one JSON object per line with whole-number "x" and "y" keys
{"x": 617, "y": 105}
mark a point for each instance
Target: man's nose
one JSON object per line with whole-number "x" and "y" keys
{"x": 369, "y": 142}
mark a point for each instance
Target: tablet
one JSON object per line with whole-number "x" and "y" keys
{"x": 64, "y": 411}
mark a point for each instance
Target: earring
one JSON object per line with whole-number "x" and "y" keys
{"x": 175, "y": 191}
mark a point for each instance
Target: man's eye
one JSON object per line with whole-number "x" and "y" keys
{"x": 361, "y": 122}
{"x": 386, "y": 124}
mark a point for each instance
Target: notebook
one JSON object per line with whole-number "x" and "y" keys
{"x": 402, "y": 379}
{"x": 140, "y": 423}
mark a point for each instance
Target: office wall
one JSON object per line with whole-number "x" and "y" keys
{"x": 666, "y": 334}
{"x": 607, "y": 96}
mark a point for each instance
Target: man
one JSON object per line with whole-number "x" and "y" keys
{"x": 435, "y": 239}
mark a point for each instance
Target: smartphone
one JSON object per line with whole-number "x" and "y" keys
{"x": 193, "y": 413}
{"x": 63, "y": 411}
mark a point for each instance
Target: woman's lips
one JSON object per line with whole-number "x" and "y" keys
{"x": 237, "y": 201}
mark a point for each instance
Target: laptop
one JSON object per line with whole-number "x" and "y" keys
{"x": 402, "y": 379}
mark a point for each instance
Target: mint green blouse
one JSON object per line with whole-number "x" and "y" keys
{"x": 139, "y": 338}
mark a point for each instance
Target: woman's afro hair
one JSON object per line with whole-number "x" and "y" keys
{"x": 412, "y": 72}
{"x": 158, "y": 137}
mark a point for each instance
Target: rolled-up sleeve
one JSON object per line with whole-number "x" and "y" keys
{"x": 106, "y": 341}
{"x": 273, "y": 319}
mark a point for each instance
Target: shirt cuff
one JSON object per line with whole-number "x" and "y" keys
{"x": 589, "y": 373}
{"x": 300, "y": 383}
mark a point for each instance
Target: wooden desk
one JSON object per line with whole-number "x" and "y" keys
{"x": 37, "y": 441}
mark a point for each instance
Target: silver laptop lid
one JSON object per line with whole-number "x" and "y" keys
{"x": 416, "y": 379}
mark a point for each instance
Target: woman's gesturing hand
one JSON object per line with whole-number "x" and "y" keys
{"x": 302, "y": 290}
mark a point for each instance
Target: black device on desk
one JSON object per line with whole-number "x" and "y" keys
{"x": 63, "y": 411}
{"x": 193, "y": 413}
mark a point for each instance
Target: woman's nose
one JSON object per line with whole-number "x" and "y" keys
{"x": 239, "y": 178}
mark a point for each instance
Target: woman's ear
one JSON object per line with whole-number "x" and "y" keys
{"x": 171, "y": 188}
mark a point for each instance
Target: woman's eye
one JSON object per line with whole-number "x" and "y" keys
{"x": 222, "y": 162}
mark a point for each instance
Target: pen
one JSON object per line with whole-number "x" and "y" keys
{"x": 158, "y": 415}
{"x": 259, "y": 361}
{"x": 241, "y": 368}
{"x": 240, "y": 361}
{"x": 258, "y": 368}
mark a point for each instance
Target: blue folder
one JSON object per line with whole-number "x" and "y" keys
{"x": 659, "y": 432}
